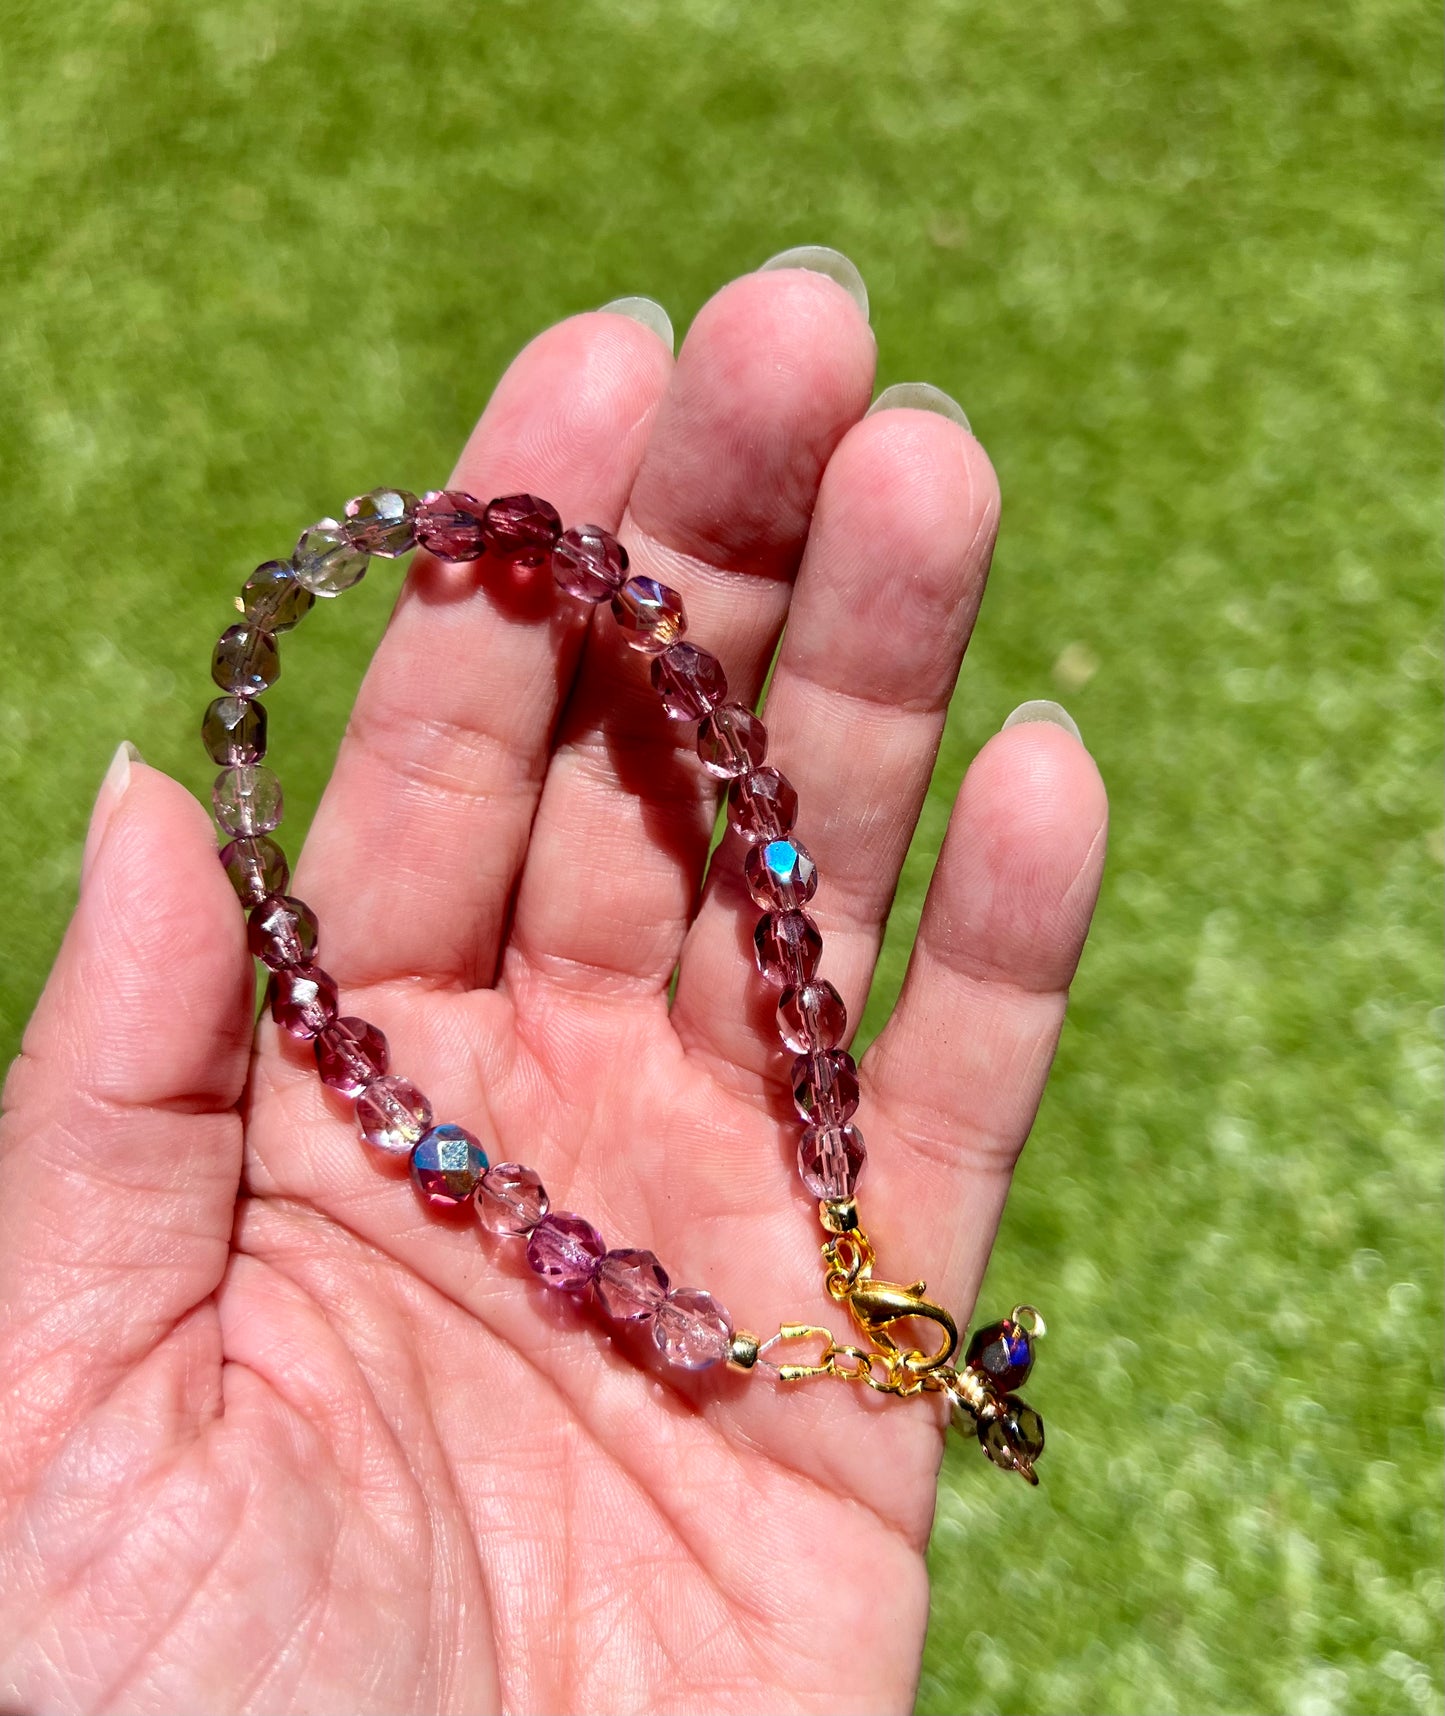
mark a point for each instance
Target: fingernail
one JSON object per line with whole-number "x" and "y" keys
{"x": 1042, "y": 710}
{"x": 920, "y": 396}
{"x": 647, "y": 311}
{"x": 112, "y": 791}
{"x": 819, "y": 259}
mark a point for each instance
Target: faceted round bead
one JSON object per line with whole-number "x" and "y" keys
{"x": 303, "y": 1000}
{"x": 691, "y": 1329}
{"x": 589, "y": 563}
{"x": 382, "y": 522}
{"x": 447, "y": 1164}
{"x": 649, "y": 615}
{"x": 762, "y": 805}
{"x": 1014, "y": 1437}
{"x": 811, "y": 1017}
{"x": 350, "y": 1054}
{"x": 257, "y": 866}
{"x": 630, "y": 1285}
{"x": 327, "y": 561}
{"x": 233, "y": 730}
{"x": 274, "y": 598}
{"x": 449, "y": 525}
{"x": 781, "y": 874}
{"x": 282, "y": 932}
{"x": 247, "y": 799}
{"x": 522, "y": 529}
{"x": 511, "y": 1200}
{"x": 1004, "y": 1353}
{"x": 565, "y": 1251}
{"x": 392, "y": 1115}
{"x": 830, "y": 1160}
{"x": 689, "y": 680}
{"x": 245, "y": 660}
{"x": 825, "y": 1087}
{"x": 788, "y": 946}
{"x": 731, "y": 741}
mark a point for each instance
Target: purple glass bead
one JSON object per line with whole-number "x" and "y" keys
{"x": 589, "y": 563}
{"x": 691, "y": 1329}
{"x": 233, "y": 730}
{"x": 522, "y": 529}
{"x": 350, "y": 1054}
{"x": 511, "y": 1200}
{"x": 762, "y": 805}
{"x": 649, "y": 615}
{"x": 788, "y": 946}
{"x": 326, "y": 560}
{"x": 1004, "y": 1353}
{"x": 830, "y": 1160}
{"x": 257, "y": 866}
{"x": 812, "y": 1017}
{"x": 565, "y": 1251}
{"x": 731, "y": 741}
{"x": 449, "y": 525}
{"x": 447, "y": 1164}
{"x": 303, "y": 1000}
{"x": 382, "y": 522}
{"x": 630, "y": 1285}
{"x": 781, "y": 874}
{"x": 274, "y": 598}
{"x": 247, "y": 799}
{"x": 282, "y": 932}
{"x": 689, "y": 680}
{"x": 245, "y": 661}
{"x": 825, "y": 1087}
{"x": 392, "y": 1115}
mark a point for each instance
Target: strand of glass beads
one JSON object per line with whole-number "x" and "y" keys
{"x": 690, "y": 1328}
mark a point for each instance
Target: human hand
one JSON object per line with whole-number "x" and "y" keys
{"x": 272, "y": 1436}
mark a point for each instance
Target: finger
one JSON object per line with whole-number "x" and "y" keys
{"x": 417, "y": 843}
{"x": 120, "y": 1147}
{"x": 774, "y": 370}
{"x": 886, "y": 599}
{"x": 953, "y": 1081}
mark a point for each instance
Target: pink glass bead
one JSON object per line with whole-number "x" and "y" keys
{"x": 825, "y": 1087}
{"x": 511, "y": 1200}
{"x": 691, "y": 1329}
{"x": 274, "y": 599}
{"x": 392, "y": 1115}
{"x": 247, "y": 799}
{"x": 282, "y": 932}
{"x": 589, "y": 563}
{"x": 233, "y": 730}
{"x": 257, "y": 866}
{"x": 762, "y": 805}
{"x": 649, "y": 615}
{"x": 326, "y": 560}
{"x": 781, "y": 874}
{"x": 303, "y": 1000}
{"x": 449, "y": 525}
{"x": 522, "y": 529}
{"x": 731, "y": 741}
{"x": 245, "y": 661}
{"x": 382, "y": 522}
{"x": 788, "y": 946}
{"x": 630, "y": 1285}
{"x": 565, "y": 1251}
{"x": 447, "y": 1164}
{"x": 350, "y": 1054}
{"x": 689, "y": 680}
{"x": 830, "y": 1160}
{"x": 811, "y": 1017}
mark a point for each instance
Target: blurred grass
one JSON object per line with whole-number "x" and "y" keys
{"x": 1182, "y": 266}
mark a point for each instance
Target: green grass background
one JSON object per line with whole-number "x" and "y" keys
{"x": 1181, "y": 264}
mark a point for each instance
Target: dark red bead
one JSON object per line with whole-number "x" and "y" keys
{"x": 522, "y": 529}
{"x": 303, "y": 1000}
{"x": 1004, "y": 1354}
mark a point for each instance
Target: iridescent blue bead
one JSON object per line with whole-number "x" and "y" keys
{"x": 781, "y": 875}
{"x": 1004, "y": 1354}
{"x": 447, "y": 1165}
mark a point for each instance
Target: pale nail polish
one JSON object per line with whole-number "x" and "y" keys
{"x": 1040, "y": 709}
{"x": 647, "y": 311}
{"x": 112, "y": 791}
{"x": 820, "y": 259}
{"x": 920, "y": 396}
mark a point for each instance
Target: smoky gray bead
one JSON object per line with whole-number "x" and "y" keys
{"x": 234, "y": 730}
{"x": 245, "y": 660}
{"x": 382, "y": 522}
{"x": 273, "y": 598}
{"x": 327, "y": 561}
{"x": 248, "y": 799}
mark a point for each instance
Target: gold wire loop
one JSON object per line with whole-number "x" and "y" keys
{"x": 1030, "y": 1321}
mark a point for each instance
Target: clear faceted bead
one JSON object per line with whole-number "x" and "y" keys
{"x": 447, "y": 1164}
{"x": 511, "y": 1200}
{"x": 303, "y": 1000}
{"x": 825, "y": 1087}
{"x": 327, "y": 561}
{"x": 449, "y": 525}
{"x": 565, "y": 1251}
{"x": 282, "y": 932}
{"x": 247, "y": 799}
{"x": 812, "y": 1017}
{"x": 245, "y": 660}
{"x": 589, "y": 563}
{"x": 649, "y": 615}
{"x": 830, "y": 1160}
{"x": 257, "y": 866}
{"x": 233, "y": 730}
{"x": 788, "y": 946}
{"x": 630, "y": 1285}
{"x": 731, "y": 741}
{"x": 522, "y": 529}
{"x": 689, "y": 680}
{"x": 781, "y": 874}
{"x": 392, "y": 1115}
{"x": 691, "y": 1329}
{"x": 382, "y": 522}
{"x": 762, "y": 805}
{"x": 350, "y": 1054}
{"x": 274, "y": 598}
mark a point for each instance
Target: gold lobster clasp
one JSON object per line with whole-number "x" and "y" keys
{"x": 877, "y": 1307}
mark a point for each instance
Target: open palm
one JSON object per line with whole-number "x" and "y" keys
{"x": 275, "y": 1437}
